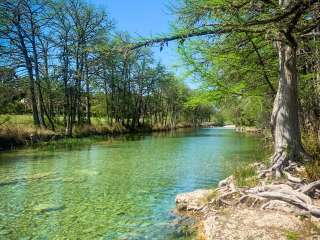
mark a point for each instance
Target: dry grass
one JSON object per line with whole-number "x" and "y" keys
{"x": 90, "y": 130}
{"x": 11, "y": 136}
{"x": 312, "y": 145}
{"x": 17, "y": 130}
{"x": 313, "y": 170}
{"x": 200, "y": 232}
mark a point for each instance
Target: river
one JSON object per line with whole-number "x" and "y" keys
{"x": 120, "y": 188}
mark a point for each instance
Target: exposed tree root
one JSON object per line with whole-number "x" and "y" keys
{"x": 292, "y": 179}
{"x": 282, "y": 164}
{"x": 278, "y": 162}
{"x": 294, "y": 193}
{"x": 310, "y": 188}
{"x": 299, "y": 197}
{"x": 292, "y": 198}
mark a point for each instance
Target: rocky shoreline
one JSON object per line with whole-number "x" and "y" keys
{"x": 250, "y": 130}
{"x": 230, "y": 212}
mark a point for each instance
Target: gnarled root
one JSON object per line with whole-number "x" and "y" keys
{"x": 285, "y": 193}
{"x": 281, "y": 164}
{"x": 310, "y": 188}
{"x": 293, "y": 196}
{"x": 278, "y": 162}
{"x": 295, "y": 192}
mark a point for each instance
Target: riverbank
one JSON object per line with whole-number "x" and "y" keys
{"x": 286, "y": 208}
{"x": 13, "y": 136}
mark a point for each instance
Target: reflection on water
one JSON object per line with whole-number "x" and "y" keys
{"x": 113, "y": 189}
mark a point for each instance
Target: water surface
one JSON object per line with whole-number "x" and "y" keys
{"x": 113, "y": 189}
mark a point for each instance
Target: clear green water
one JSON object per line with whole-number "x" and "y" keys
{"x": 115, "y": 189}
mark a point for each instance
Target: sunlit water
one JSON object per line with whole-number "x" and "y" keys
{"x": 119, "y": 189}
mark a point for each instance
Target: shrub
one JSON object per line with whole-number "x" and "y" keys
{"x": 84, "y": 130}
{"x": 313, "y": 170}
{"x": 312, "y": 145}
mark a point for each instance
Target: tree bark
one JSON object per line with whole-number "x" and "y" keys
{"x": 36, "y": 68}
{"x": 29, "y": 67}
{"x": 88, "y": 103}
{"x": 285, "y": 119}
{"x": 48, "y": 113}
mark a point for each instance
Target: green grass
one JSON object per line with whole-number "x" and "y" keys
{"x": 16, "y": 119}
{"x": 27, "y": 120}
{"x": 246, "y": 176}
{"x": 292, "y": 235}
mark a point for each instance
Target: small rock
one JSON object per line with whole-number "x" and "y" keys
{"x": 48, "y": 207}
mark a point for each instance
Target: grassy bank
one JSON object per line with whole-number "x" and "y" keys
{"x": 18, "y": 130}
{"x": 247, "y": 176}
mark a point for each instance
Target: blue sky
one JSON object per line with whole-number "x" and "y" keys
{"x": 144, "y": 18}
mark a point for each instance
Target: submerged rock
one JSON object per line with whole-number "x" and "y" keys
{"x": 4, "y": 232}
{"x": 28, "y": 178}
{"x": 68, "y": 179}
{"x": 48, "y": 207}
{"x": 183, "y": 226}
{"x": 193, "y": 200}
{"x": 88, "y": 172}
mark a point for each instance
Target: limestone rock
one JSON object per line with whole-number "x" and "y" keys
{"x": 226, "y": 182}
{"x": 193, "y": 201}
{"x": 243, "y": 224}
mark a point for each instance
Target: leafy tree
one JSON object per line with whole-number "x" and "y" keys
{"x": 282, "y": 23}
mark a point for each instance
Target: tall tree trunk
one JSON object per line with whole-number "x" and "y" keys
{"x": 285, "y": 118}
{"x": 88, "y": 104}
{"x": 33, "y": 95}
{"x": 66, "y": 104}
{"x": 71, "y": 112}
{"x": 29, "y": 67}
{"x": 37, "y": 72}
{"x": 317, "y": 84}
{"x": 78, "y": 79}
{"x": 48, "y": 112}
